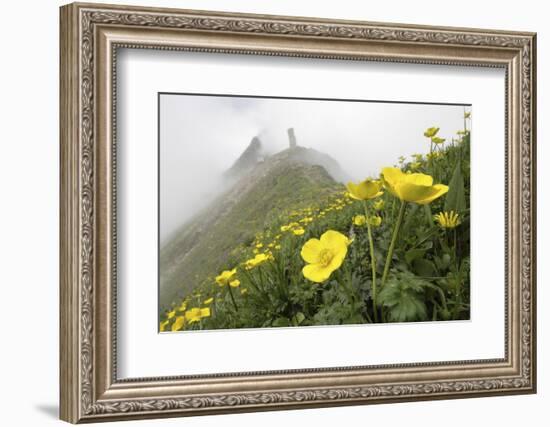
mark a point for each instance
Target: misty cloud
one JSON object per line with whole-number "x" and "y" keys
{"x": 201, "y": 137}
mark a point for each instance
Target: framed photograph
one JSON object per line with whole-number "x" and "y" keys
{"x": 267, "y": 212}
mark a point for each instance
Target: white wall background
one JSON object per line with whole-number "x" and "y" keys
{"x": 29, "y": 170}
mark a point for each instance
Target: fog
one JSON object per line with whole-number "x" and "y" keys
{"x": 201, "y": 137}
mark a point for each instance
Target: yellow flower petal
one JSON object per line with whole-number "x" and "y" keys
{"x": 235, "y": 283}
{"x": 412, "y": 187}
{"x": 178, "y": 324}
{"x": 225, "y": 277}
{"x": 324, "y": 256}
{"x": 298, "y": 231}
{"x": 379, "y": 205}
{"x": 447, "y": 219}
{"x": 163, "y": 325}
{"x": 334, "y": 239}
{"x": 365, "y": 190}
{"x": 257, "y": 260}
{"x": 431, "y": 132}
{"x": 310, "y": 250}
{"x": 196, "y": 314}
{"x": 374, "y": 221}
{"x": 359, "y": 220}
{"x": 316, "y": 273}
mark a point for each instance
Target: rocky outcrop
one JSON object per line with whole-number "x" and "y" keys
{"x": 249, "y": 158}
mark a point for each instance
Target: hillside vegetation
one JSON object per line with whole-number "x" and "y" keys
{"x": 259, "y": 201}
{"x": 292, "y": 247}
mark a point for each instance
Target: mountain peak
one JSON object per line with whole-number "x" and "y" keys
{"x": 254, "y": 156}
{"x": 249, "y": 158}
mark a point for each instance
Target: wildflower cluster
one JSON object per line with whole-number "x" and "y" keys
{"x": 371, "y": 251}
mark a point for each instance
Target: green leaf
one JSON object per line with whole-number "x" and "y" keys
{"x": 408, "y": 219}
{"x": 298, "y": 318}
{"x": 281, "y": 322}
{"x": 423, "y": 267}
{"x": 456, "y": 196}
{"x": 403, "y": 295}
{"x": 443, "y": 262}
{"x": 413, "y": 254}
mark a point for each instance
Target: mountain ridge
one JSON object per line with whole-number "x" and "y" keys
{"x": 286, "y": 180}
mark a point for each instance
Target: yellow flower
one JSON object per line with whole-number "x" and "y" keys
{"x": 323, "y": 256}
{"x": 244, "y": 291}
{"x": 378, "y": 205}
{"x": 412, "y": 187}
{"x": 433, "y": 155}
{"x": 209, "y": 300}
{"x": 277, "y": 247}
{"x": 163, "y": 325}
{"x": 298, "y": 231}
{"x": 259, "y": 245}
{"x": 257, "y": 260}
{"x": 290, "y": 226}
{"x": 437, "y": 140}
{"x": 196, "y": 314}
{"x": 171, "y": 314}
{"x": 431, "y": 132}
{"x": 183, "y": 306}
{"x": 365, "y": 190}
{"x": 235, "y": 283}
{"x": 178, "y": 324}
{"x": 374, "y": 220}
{"x": 359, "y": 220}
{"x": 226, "y": 277}
{"x": 447, "y": 219}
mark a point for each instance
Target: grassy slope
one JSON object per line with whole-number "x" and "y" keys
{"x": 207, "y": 244}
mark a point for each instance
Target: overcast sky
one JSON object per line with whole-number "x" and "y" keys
{"x": 201, "y": 137}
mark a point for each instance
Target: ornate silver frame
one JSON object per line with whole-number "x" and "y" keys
{"x": 90, "y": 35}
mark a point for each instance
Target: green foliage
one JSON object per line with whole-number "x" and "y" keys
{"x": 430, "y": 265}
{"x": 456, "y": 197}
{"x": 217, "y": 237}
{"x": 403, "y": 296}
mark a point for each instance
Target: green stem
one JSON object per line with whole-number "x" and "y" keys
{"x": 426, "y": 238}
{"x": 349, "y": 290}
{"x": 392, "y": 244}
{"x": 251, "y": 282}
{"x": 431, "y": 157}
{"x": 458, "y": 282}
{"x": 441, "y": 294}
{"x": 233, "y": 298}
{"x": 373, "y": 264}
